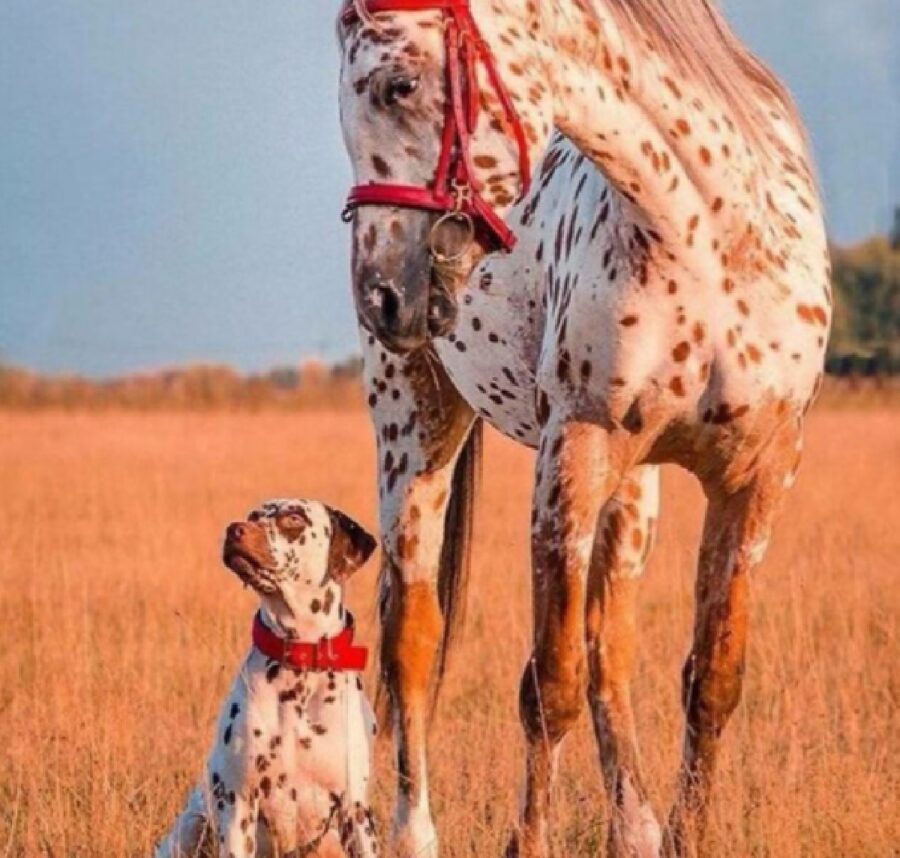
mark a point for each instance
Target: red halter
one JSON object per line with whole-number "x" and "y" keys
{"x": 455, "y": 187}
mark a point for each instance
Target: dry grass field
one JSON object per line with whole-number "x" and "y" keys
{"x": 119, "y": 631}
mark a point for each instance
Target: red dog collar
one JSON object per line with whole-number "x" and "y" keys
{"x": 338, "y": 653}
{"x": 455, "y": 187}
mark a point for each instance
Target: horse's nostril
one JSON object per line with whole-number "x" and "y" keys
{"x": 385, "y": 300}
{"x": 390, "y": 305}
{"x": 236, "y": 531}
{"x": 394, "y": 313}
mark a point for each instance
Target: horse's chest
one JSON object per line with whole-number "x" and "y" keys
{"x": 492, "y": 356}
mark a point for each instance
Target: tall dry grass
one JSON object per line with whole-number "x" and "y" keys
{"x": 119, "y": 631}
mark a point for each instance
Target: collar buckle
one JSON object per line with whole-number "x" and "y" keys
{"x": 324, "y": 656}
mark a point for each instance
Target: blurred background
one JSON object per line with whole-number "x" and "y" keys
{"x": 171, "y": 176}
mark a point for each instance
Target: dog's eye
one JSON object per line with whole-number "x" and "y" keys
{"x": 398, "y": 89}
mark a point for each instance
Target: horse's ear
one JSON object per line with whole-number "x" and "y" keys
{"x": 351, "y": 546}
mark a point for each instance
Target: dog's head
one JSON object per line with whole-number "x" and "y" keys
{"x": 288, "y": 547}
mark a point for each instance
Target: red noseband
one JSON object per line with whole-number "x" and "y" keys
{"x": 455, "y": 187}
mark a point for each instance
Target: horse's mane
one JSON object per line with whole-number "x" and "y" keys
{"x": 695, "y": 37}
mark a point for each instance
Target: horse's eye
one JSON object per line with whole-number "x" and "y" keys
{"x": 399, "y": 88}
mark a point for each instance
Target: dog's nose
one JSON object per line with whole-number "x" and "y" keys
{"x": 236, "y": 531}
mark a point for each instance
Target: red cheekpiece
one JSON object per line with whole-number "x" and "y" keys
{"x": 455, "y": 187}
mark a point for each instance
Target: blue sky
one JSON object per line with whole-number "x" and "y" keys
{"x": 171, "y": 173}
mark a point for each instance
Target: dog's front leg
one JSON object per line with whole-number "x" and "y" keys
{"x": 359, "y": 838}
{"x": 190, "y": 831}
{"x": 237, "y": 828}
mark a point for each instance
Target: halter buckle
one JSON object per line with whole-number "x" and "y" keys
{"x": 461, "y": 191}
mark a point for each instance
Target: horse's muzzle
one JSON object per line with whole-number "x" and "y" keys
{"x": 400, "y": 321}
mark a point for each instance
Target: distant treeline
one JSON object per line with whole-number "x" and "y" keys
{"x": 865, "y": 344}
{"x": 866, "y": 336}
{"x": 312, "y": 385}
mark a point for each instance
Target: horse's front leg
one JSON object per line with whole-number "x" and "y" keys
{"x": 427, "y": 452}
{"x": 573, "y": 480}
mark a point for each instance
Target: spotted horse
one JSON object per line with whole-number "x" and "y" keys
{"x": 655, "y": 291}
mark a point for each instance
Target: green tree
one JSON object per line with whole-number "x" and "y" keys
{"x": 867, "y": 300}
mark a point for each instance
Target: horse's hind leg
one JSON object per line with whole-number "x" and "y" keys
{"x": 625, "y": 533}
{"x": 736, "y": 533}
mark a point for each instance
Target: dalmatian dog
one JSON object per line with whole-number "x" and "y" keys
{"x": 288, "y": 774}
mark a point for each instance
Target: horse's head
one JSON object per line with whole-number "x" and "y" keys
{"x": 442, "y": 118}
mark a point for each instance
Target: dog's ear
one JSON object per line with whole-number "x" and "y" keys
{"x": 351, "y": 546}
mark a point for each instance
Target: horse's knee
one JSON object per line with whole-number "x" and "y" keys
{"x": 551, "y": 698}
{"x": 411, "y": 633}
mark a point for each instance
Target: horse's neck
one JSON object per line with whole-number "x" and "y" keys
{"x": 667, "y": 143}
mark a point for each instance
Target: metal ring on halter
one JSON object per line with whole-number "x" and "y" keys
{"x": 459, "y": 217}
{"x": 347, "y": 214}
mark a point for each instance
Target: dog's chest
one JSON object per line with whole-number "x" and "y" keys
{"x": 284, "y": 732}
{"x": 301, "y": 720}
